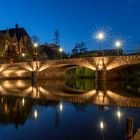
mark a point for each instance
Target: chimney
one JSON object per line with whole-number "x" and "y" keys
{"x": 16, "y": 26}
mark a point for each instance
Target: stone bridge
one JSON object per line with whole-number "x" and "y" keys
{"x": 107, "y": 67}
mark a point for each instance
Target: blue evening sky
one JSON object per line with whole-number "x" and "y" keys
{"x": 75, "y": 19}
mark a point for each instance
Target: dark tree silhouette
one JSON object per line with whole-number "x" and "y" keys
{"x": 79, "y": 48}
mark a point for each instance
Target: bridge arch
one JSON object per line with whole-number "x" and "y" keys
{"x": 24, "y": 65}
{"x": 83, "y": 62}
{"x": 122, "y": 61}
{"x": 121, "y": 72}
{"x": 15, "y": 71}
{"x": 58, "y": 71}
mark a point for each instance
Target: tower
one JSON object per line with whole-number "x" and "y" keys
{"x": 56, "y": 37}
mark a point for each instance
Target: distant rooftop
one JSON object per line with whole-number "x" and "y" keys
{"x": 19, "y": 32}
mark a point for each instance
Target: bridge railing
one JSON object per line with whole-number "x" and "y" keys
{"x": 4, "y": 60}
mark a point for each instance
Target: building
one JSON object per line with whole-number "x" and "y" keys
{"x": 51, "y": 51}
{"x": 14, "y": 42}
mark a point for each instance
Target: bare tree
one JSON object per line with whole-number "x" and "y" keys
{"x": 35, "y": 39}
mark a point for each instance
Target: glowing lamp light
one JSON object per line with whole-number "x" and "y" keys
{"x": 118, "y": 44}
{"x": 23, "y": 54}
{"x": 35, "y": 45}
{"x": 100, "y": 36}
{"x": 60, "y": 49}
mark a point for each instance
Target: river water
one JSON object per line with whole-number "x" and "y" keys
{"x": 79, "y": 109}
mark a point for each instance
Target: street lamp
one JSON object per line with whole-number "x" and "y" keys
{"x": 35, "y": 45}
{"x": 100, "y": 36}
{"x": 118, "y": 45}
{"x": 23, "y": 56}
{"x": 35, "y": 52}
{"x": 61, "y": 50}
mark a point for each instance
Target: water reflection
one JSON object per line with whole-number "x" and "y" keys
{"x": 61, "y": 107}
{"x": 35, "y": 114}
{"x": 12, "y": 110}
{"x": 100, "y": 93}
{"x": 119, "y": 114}
{"x": 93, "y": 108}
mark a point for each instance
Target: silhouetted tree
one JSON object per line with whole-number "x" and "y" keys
{"x": 82, "y": 47}
{"x": 79, "y": 48}
{"x": 75, "y": 49}
{"x": 35, "y": 39}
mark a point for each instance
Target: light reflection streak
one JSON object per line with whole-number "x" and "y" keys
{"x": 23, "y": 101}
{"x": 35, "y": 114}
{"x": 102, "y": 125}
{"x": 119, "y": 114}
{"x": 61, "y": 106}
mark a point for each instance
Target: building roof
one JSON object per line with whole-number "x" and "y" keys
{"x": 19, "y": 32}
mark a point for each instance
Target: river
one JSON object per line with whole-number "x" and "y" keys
{"x": 69, "y": 109}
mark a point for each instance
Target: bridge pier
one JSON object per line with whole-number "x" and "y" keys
{"x": 101, "y": 85}
{"x": 34, "y": 77}
{"x": 100, "y": 75}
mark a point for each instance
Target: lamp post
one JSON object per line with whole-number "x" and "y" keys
{"x": 34, "y": 65}
{"x": 118, "y": 46}
{"x": 101, "y": 70}
{"x": 35, "y": 45}
{"x": 61, "y": 50}
{"x": 100, "y": 36}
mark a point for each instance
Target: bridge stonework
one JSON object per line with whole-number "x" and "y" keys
{"x": 107, "y": 67}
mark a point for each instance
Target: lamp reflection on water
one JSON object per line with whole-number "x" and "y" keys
{"x": 102, "y": 125}
{"x": 35, "y": 114}
{"x": 119, "y": 114}
{"x": 61, "y": 106}
{"x": 23, "y": 101}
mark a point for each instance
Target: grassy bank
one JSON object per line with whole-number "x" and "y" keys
{"x": 80, "y": 72}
